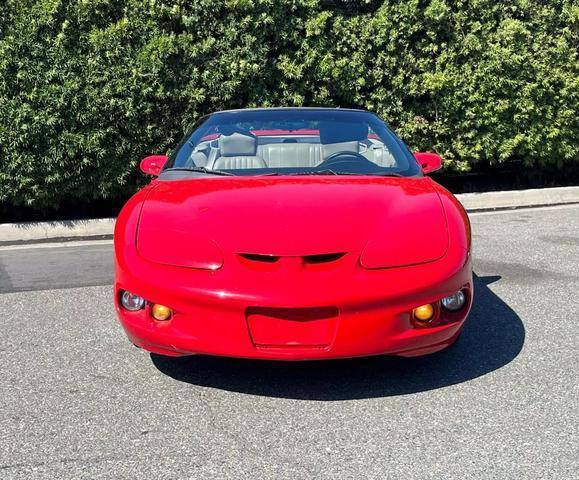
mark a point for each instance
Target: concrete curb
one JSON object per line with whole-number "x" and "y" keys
{"x": 58, "y": 230}
{"x": 539, "y": 197}
{"x": 11, "y": 233}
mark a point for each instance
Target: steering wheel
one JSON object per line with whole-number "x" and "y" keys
{"x": 336, "y": 159}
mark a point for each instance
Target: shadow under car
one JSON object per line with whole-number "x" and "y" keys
{"x": 492, "y": 337}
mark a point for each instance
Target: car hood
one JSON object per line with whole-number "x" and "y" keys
{"x": 195, "y": 223}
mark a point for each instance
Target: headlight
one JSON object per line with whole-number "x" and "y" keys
{"x": 454, "y": 302}
{"x": 132, "y": 302}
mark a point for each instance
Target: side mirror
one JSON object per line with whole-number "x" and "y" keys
{"x": 153, "y": 164}
{"x": 429, "y": 162}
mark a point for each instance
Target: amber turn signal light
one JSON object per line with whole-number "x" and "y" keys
{"x": 424, "y": 313}
{"x": 161, "y": 312}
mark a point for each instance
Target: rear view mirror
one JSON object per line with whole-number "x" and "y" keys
{"x": 429, "y": 162}
{"x": 153, "y": 164}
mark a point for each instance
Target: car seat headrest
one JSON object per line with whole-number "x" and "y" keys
{"x": 339, "y": 132}
{"x": 237, "y": 145}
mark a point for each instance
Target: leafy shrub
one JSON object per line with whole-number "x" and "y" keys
{"x": 89, "y": 87}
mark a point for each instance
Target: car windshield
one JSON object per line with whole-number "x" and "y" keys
{"x": 293, "y": 142}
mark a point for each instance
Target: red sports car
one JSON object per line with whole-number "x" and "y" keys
{"x": 292, "y": 234}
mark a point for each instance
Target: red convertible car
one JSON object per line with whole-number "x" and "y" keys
{"x": 292, "y": 234}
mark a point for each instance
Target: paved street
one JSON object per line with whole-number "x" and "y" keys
{"x": 77, "y": 401}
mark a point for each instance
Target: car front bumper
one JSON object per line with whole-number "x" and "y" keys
{"x": 363, "y": 312}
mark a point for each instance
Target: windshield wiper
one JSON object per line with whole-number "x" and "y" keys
{"x": 326, "y": 172}
{"x": 200, "y": 170}
{"x": 314, "y": 172}
{"x": 387, "y": 174}
{"x": 333, "y": 172}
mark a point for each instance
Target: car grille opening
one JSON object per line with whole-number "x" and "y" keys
{"x": 323, "y": 258}
{"x": 310, "y": 259}
{"x": 256, "y": 257}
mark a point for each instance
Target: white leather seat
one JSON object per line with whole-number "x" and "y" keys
{"x": 291, "y": 154}
{"x": 330, "y": 149}
{"x": 238, "y": 151}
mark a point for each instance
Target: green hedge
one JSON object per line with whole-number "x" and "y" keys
{"x": 88, "y": 87}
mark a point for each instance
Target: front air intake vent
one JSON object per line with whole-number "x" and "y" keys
{"x": 323, "y": 258}
{"x": 309, "y": 259}
{"x": 256, "y": 257}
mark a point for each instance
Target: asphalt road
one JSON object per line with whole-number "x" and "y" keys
{"x": 78, "y": 401}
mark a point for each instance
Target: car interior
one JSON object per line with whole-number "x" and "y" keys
{"x": 282, "y": 149}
